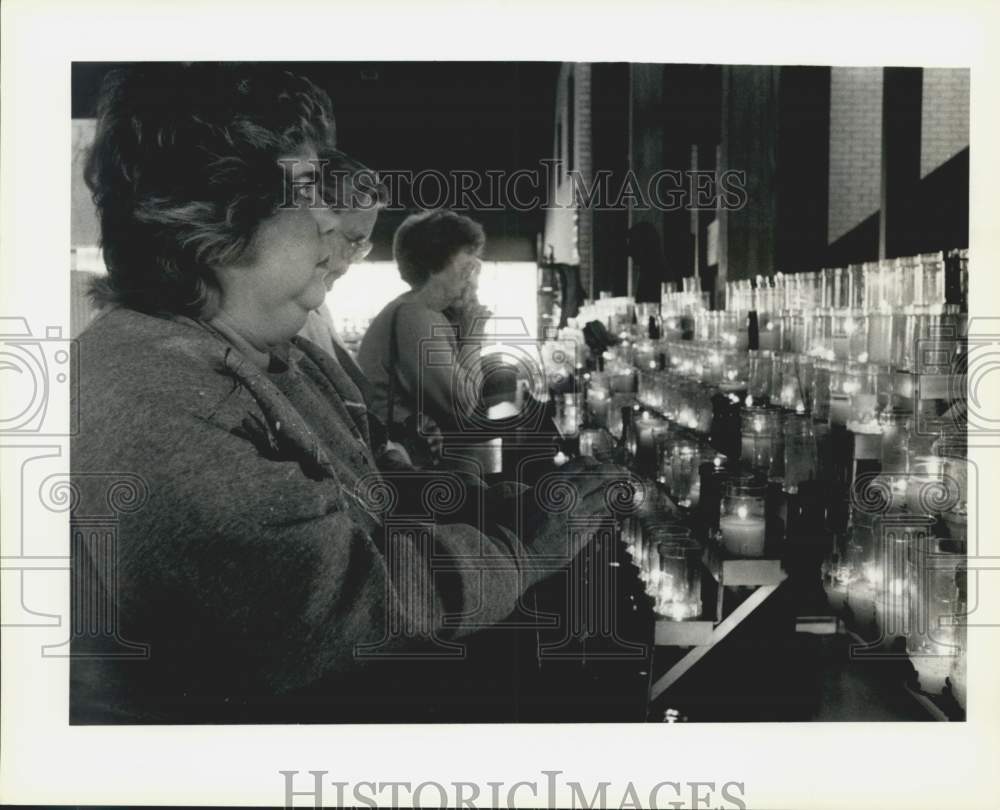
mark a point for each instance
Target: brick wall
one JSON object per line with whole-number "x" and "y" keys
{"x": 855, "y": 147}
{"x": 584, "y": 164}
{"x": 944, "y": 128}
{"x": 568, "y": 229}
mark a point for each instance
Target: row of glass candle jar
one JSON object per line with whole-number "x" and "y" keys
{"x": 851, "y": 394}
{"x": 870, "y": 286}
{"x": 790, "y": 448}
{"x": 899, "y": 577}
{"x": 669, "y": 563}
{"x": 904, "y": 339}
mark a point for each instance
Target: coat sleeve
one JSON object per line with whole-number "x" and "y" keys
{"x": 297, "y": 579}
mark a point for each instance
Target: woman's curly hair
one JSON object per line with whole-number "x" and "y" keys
{"x": 184, "y": 168}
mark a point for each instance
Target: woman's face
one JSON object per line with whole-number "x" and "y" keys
{"x": 350, "y": 237}
{"x": 286, "y": 276}
{"x": 460, "y": 275}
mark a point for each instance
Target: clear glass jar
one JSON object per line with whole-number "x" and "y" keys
{"x": 801, "y": 460}
{"x": 927, "y": 490}
{"x": 678, "y": 592}
{"x": 820, "y": 391}
{"x": 734, "y": 371}
{"x": 656, "y": 526}
{"x": 762, "y": 441}
{"x": 932, "y": 280}
{"x": 760, "y": 363}
{"x": 796, "y": 382}
{"x": 568, "y": 414}
{"x": 650, "y": 392}
{"x": 863, "y": 549}
{"x": 934, "y": 638}
{"x": 596, "y": 443}
{"x": 742, "y": 520}
{"x": 684, "y": 464}
{"x": 644, "y": 355}
{"x": 856, "y": 287}
{"x": 619, "y": 401}
{"x": 850, "y": 335}
{"x": 880, "y": 337}
{"x": 649, "y": 430}
{"x": 894, "y": 593}
{"x": 736, "y": 332}
{"x": 895, "y": 426}
{"x": 864, "y": 397}
{"x": 843, "y": 383}
{"x": 598, "y": 402}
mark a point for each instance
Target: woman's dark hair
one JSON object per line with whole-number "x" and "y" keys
{"x": 184, "y": 168}
{"x": 347, "y": 184}
{"x": 426, "y": 242}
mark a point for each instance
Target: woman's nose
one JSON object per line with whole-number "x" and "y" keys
{"x": 326, "y": 220}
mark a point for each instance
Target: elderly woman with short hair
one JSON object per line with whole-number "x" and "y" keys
{"x": 259, "y": 565}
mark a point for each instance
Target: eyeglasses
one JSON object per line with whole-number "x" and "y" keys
{"x": 357, "y": 249}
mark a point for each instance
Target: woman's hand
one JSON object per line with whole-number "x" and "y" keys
{"x": 470, "y": 314}
{"x": 585, "y": 493}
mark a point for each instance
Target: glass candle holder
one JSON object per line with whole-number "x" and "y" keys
{"x": 843, "y": 383}
{"x": 742, "y": 518}
{"x": 801, "y": 460}
{"x": 735, "y": 371}
{"x": 733, "y": 332}
{"x": 934, "y": 638}
{"x": 956, "y": 481}
{"x": 596, "y": 443}
{"x": 820, "y": 391}
{"x": 927, "y": 488}
{"x": 863, "y": 551}
{"x": 797, "y": 373}
{"x": 759, "y": 371}
{"x": 650, "y": 389}
{"x": 644, "y": 355}
{"x": 825, "y": 454}
{"x": 762, "y": 440}
{"x": 618, "y": 401}
{"x": 678, "y": 595}
{"x": 630, "y": 533}
{"x": 598, "y": 401}
{"x": 880, "y": 337}
{"x": 894, "y": 592}
{"x": 850, "y": 336}
{"x": 864, "y": 398}
{"x": 685, "y": 461}
{"x": 622, "y": 380}
{"x": 649, "y": 428}
{"x": 568, "y": 414}
{"x": 768, "y": 332}
{"x": 895, "y": 426}
{"x": 862, "y": 568}
{"x": 820, "y": 343}
{"x": 646, "y": 558}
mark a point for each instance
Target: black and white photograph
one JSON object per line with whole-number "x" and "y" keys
{"x": 470, "y": 403}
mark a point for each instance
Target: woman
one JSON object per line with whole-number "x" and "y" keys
{"x": 259, "y": 572}
{"x": 421, "y": 352}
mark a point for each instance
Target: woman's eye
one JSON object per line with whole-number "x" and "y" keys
{"x": 304, "y": 193}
